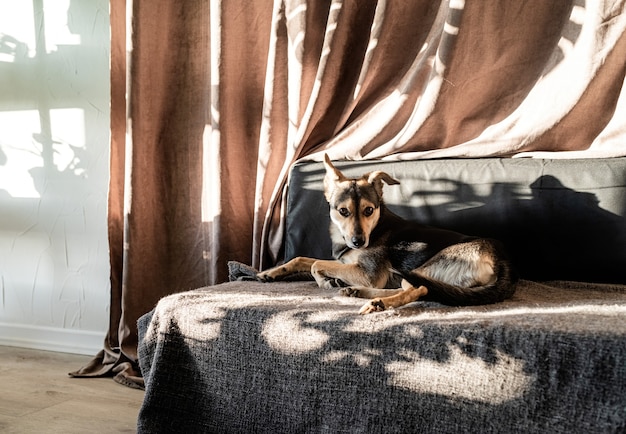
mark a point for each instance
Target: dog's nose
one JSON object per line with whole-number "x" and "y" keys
{"x": 358, "y": 241}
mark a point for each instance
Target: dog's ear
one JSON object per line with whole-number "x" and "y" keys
{"x": 376, "y": 179}
{"x": 333, "y": 176}
{"x": 332, "y": 173}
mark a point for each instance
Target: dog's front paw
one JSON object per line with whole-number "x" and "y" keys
{"x": 350, "y": 291}
{"x": 331, "y": 283}
{"x": 375, "y": 305}
{"x": 271, "y": 275}
{"x": 264, "y": 277}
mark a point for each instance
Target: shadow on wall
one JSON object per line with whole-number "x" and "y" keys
{"x": 57, "y": 96}
{"x": 54, "y": 134}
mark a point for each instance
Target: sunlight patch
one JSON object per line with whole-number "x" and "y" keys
{"x": 19, "y": 153}
{"x": 285, "y": 333}
{"x": 462, "y": 376}
{"x": 200, "y": 323}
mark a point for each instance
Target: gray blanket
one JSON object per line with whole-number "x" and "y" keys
{"x": 247, "y": 357}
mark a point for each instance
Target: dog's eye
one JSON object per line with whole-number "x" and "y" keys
{"x": 345, "y": 212}
{"x": 368, "y": 211}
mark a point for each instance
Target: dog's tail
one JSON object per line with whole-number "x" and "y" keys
{"x": 502, "y": 288}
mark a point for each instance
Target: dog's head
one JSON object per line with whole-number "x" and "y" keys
{"x": 354, "y": 203}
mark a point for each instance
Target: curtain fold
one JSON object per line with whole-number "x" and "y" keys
{"x": 213, "y": 101}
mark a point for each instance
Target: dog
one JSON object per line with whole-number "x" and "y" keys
{"x": 375, "y": 250}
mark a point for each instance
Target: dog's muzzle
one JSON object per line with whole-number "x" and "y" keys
{"x": 357, "y": 241}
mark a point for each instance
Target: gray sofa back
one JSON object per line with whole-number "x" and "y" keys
{"x": 560, "y": 219}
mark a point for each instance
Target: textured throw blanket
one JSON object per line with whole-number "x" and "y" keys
{"x": 245, "y": 356}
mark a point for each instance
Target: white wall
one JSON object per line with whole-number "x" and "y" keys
{"x": 54, "y": 141}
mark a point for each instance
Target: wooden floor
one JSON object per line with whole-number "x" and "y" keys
{"x": 37, "y": 396}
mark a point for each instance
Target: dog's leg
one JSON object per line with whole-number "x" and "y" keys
{"x": 335, "y": 274}
{"x": 406, "y": 295}
{"x": 368, "y": 292}
{"x": 300, "y": 264}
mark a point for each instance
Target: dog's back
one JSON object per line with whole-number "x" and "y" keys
{"x": 408, "y": 245}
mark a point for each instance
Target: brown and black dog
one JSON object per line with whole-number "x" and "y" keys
{"x": 375, "y": 249}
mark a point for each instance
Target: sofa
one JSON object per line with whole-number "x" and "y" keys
{"x": 288, "y": 357}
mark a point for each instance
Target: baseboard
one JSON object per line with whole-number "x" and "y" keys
{"x": 51, "y": 339}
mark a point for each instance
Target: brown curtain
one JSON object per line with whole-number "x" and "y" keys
{"x": 212, "y": 101}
